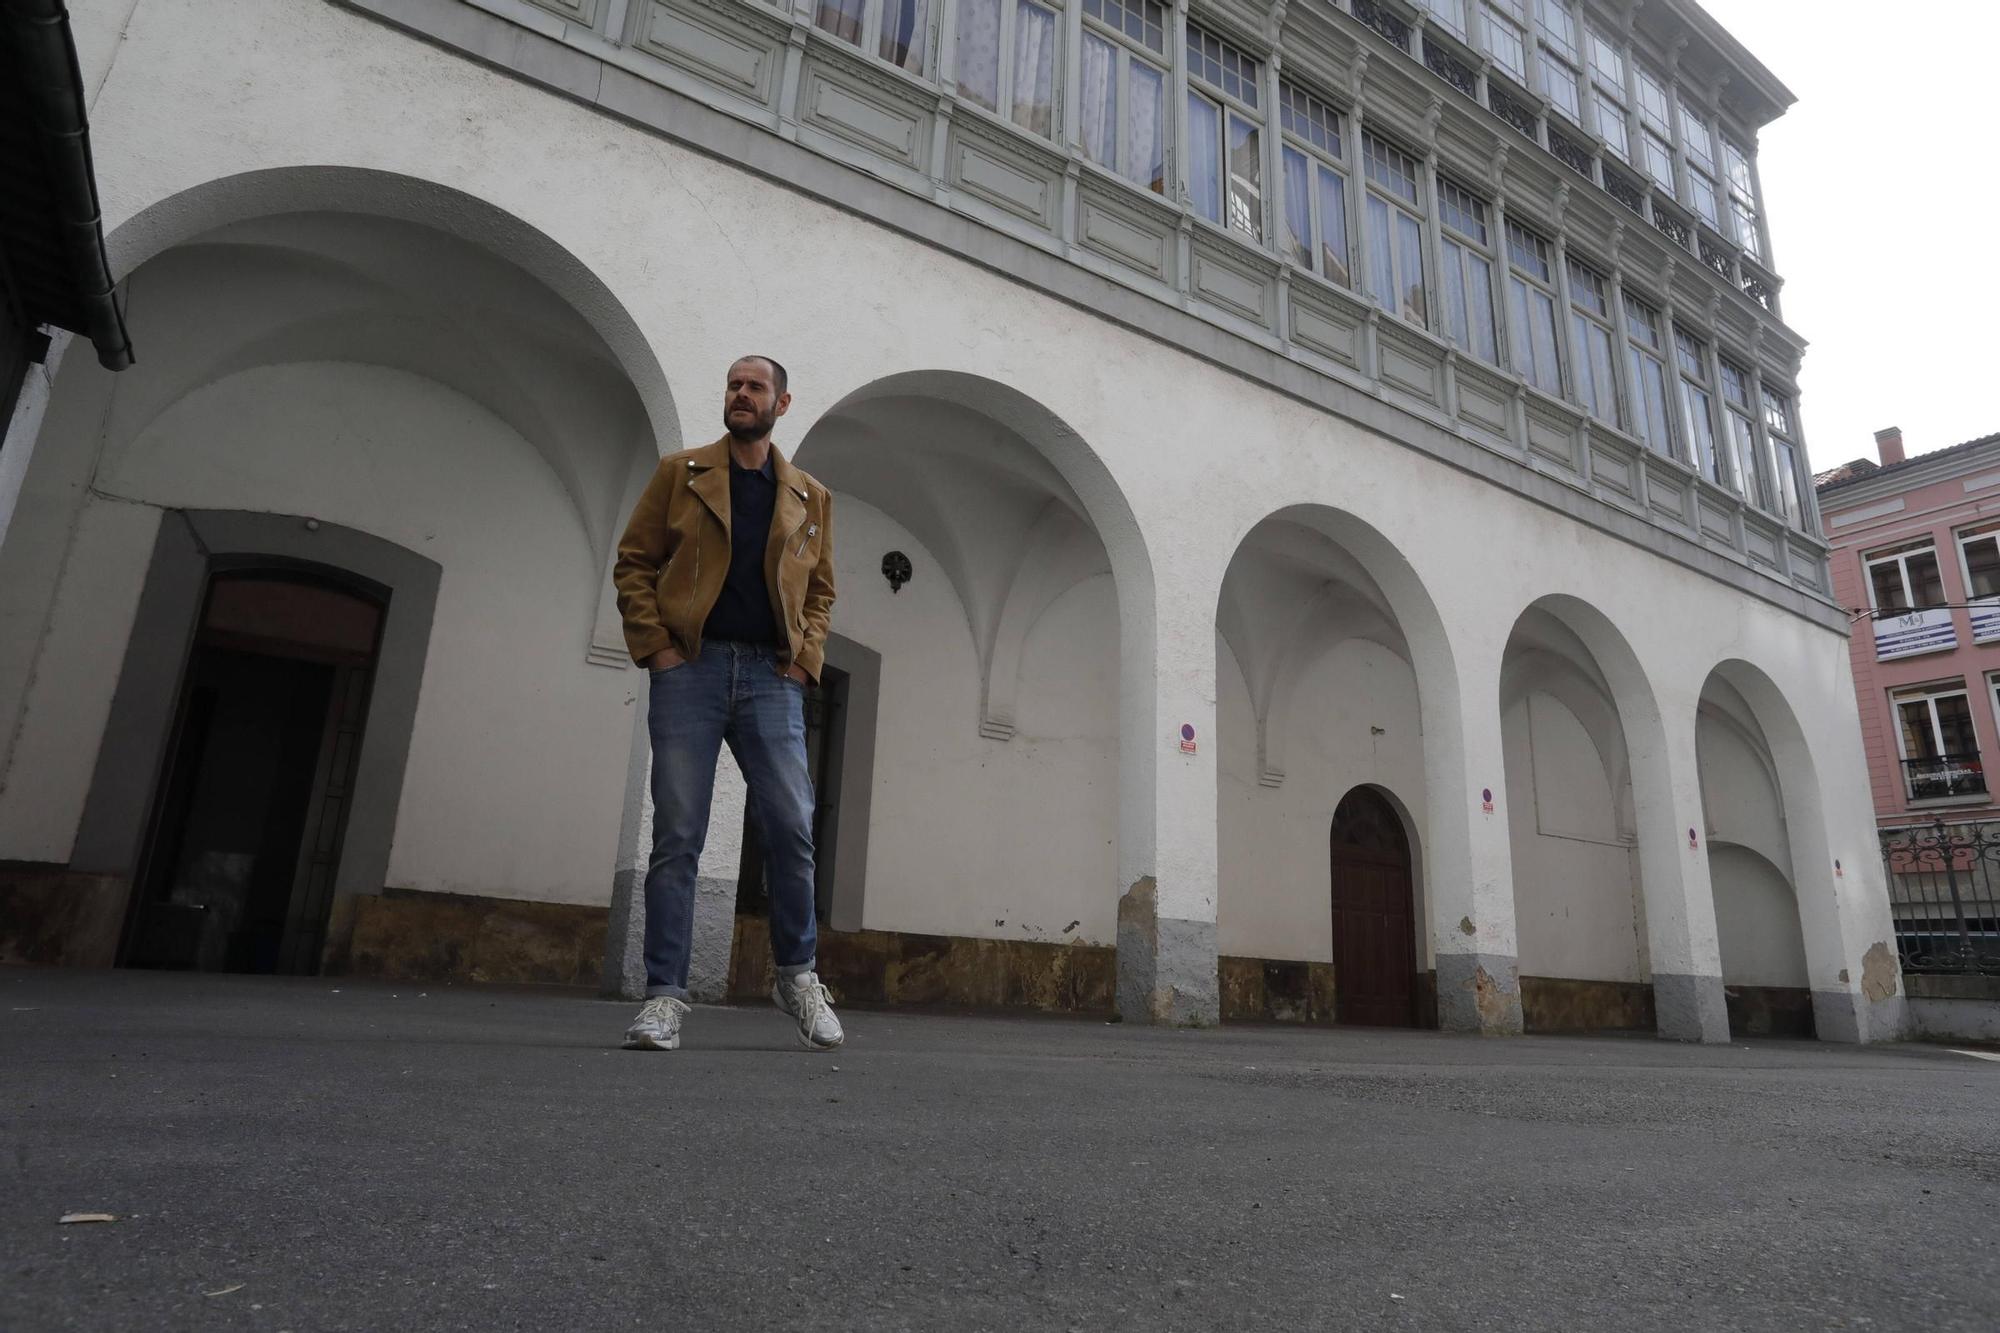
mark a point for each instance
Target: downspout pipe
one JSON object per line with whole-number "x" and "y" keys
{"x": 55, "y": 100}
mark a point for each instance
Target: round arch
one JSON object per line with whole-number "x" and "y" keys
{"x": 1838, "y": 998}
{"x": 276, "y": 191}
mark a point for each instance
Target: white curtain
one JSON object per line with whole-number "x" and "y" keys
{"x": 979, "y": 52}
{"x": 1034, "y": 68}
{"x": 1100, "y": 101}
{"x": 1148, "y": 127}
{"x": 906, "y": 33}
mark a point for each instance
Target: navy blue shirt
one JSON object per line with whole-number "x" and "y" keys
{"x": 742, "y": 611}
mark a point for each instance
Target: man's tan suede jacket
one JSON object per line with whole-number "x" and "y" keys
{"x": 675, "y": 554}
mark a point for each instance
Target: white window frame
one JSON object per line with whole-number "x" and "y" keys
{"x": 1512, "y": 17}
{"x": 1395, "y": 205}
{"x": 1988, "y": 532}
{"x": 1929, "y": 695}
{"x": 1743, "y": 449}
{"x": 1605, "y": 321}
{"x": 1127, "y": 51}
{"x": 1638, "y": 355}
{"x": 873, "y": 15}
{"x": 1609, "y": 100}
{"x": 1320, "y": 159}
{"x": 1790, "y": 497}
{"x": 1745, "y": 212}
{"x": 1695, "y": 389}
{"x": 1007, "y": 74}
{"x": 1559, "y": 49}
{"x": 1461, "y": 257}
{"x": 1229, "y": 109}
{"x": 1534, "y": 285}
{"x": 1900, "y": 556}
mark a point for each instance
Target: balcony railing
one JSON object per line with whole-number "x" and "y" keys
{"x": 1944, "y": 890}
{"x": 1944, "y": 775}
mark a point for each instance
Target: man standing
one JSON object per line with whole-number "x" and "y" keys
{"x": 725, "y": 581}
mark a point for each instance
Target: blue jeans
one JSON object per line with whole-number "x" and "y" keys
{"x": 733, "y": 692}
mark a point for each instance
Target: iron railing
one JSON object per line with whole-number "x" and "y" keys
{"x": 1940, "y": 776}
{"x": 1944, "y": 892}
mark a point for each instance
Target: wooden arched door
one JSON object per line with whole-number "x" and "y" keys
{"x": 1374, "y": 914}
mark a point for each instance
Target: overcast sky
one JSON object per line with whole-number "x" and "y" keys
{"x": 1881, "y": 187}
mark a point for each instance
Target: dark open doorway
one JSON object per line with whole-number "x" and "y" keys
{"x": 1374, "y": 914}
{"x": 244, "y": 842}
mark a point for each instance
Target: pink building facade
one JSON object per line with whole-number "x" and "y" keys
{"x": 1916, "y": 556}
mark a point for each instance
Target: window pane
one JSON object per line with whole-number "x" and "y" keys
{"x": 1604, "y": 371}
{"x": 1746, "y": 227}
{"x": 1654, "y": 103}
{"x": 1982, "y": 565}
{"x": 1410, "y": 267}
{"x": 1587, "y": 290}
{"x": 1607, "y": 66}
{"x": 1786, "y": 465}
{"x": 1100, "y": 101}
{"x": 1886, "y": 580}
{"x": 1311, "y": 119}
{"x": 1503, "y": 41}
{"x": 1926, "y": 584}
{"x": 1694, "y": 138}
{"x": 1297, "y": 242}
{"x": 1144, "y": 21}
{"x": 1392, "y": 170}
{"x": 1450, "y": 13}
{"x": 978, "y": 51}
{"x": 1659, "y": 161}
{"x": 1453, "y": 268}
{"x": 1246, "y": 179}
{"x": 1332, "y": 224}
{"x": 1704, "y": 198}
{"x": 905, "y": 33}
{"x": 1381, "y": 254}
{"x": 1034, "y": 69}
{"x": 1641, "y": 322}
{"x": 1954, "y": 715}
{"x": 1147, "y": 144}
{"x": 1749, "y": 481}
{"x": 1461, "y": 211}
{"x": 1611, "y": 124}
{"x": 842, "y": 18}
{"x": 1919, "y": 738}
{"x": 1547, "y": 374}
{"x": 1560, "y": 83}
{"x": 1204, "y": 173}
{"x": 1696, "y": 407}
{"x": 1650, "y": 412}
{"x": 1558, "y": 27}
{"x": 1479, "y": 304}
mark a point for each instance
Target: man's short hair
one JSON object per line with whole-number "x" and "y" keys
{"x": 779, "y": 379}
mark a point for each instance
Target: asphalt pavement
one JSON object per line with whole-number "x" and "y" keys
{"x": 312, "y": 1154}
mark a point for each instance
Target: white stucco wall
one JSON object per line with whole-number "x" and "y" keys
{"x": 1178, "y": 456}
{"x": 1276, "y": 897}
{"x": 1576, "y": 895}
{"x": 1756, "y": 920}
{"x": 970, "y": 836}
{"x": 506, "y": 791}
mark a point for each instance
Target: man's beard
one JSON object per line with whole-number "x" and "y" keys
{"x": 759, "y": 427}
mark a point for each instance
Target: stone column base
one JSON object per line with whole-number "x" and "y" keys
{"x": 1690, "y": 1008}
{"x": 1479, "y": 992}
{"x": 1167, "y": 967}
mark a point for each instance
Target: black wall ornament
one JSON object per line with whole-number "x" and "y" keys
{"x": 896, "y": 569}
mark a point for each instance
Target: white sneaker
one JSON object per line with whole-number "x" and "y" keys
{"x": 658, "y": 1026}
{"x": 806, "y": 1000}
